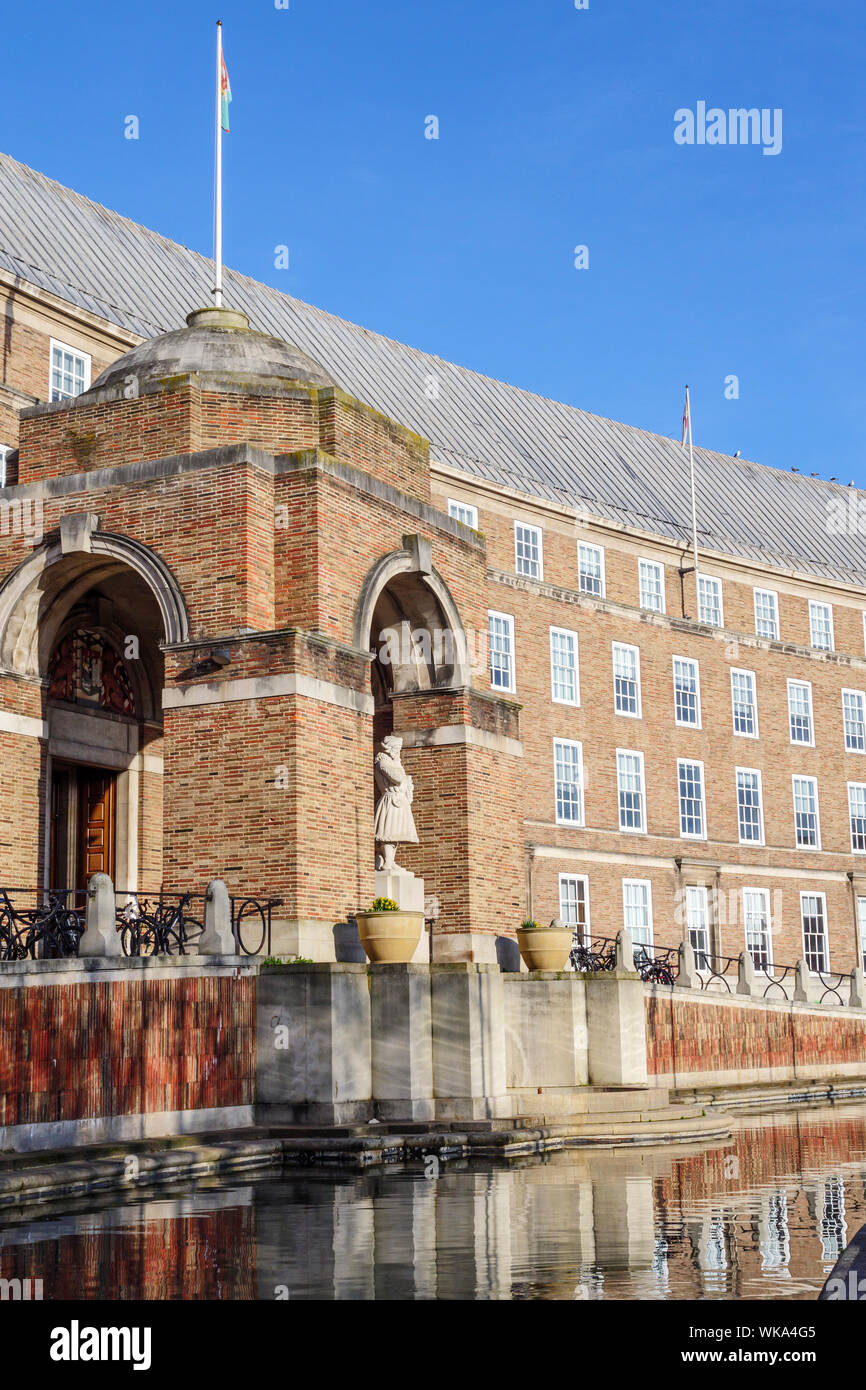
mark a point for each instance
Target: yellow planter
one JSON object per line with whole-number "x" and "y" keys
{"x": 545, "y": 948}
{"x": 390, "y": 938}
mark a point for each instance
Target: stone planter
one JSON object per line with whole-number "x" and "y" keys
{"x": 390, "y": 938}
{"x": 545, "y": 948}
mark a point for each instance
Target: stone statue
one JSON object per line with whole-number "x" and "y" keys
{"x": 394, "y": 823}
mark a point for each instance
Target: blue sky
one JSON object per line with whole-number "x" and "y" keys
{"x": 555, "y": 130}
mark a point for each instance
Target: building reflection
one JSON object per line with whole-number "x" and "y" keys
{"x": 765, "y": 1215}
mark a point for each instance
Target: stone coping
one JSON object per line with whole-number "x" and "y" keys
{"x": 751, "y": 1000}
{"x": 100, "y": 965}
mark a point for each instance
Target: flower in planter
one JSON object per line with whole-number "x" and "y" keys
{"x": 529, "y": 924}
{"x": 384, "y": 905}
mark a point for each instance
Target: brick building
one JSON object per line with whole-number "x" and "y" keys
{"x": 234, "y": 554}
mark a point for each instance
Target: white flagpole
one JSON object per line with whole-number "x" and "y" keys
{"x": 218, "y": 199}
{"x": 694, "y": 500}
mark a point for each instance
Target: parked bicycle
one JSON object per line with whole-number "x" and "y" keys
{"x": 164, "y": 929}
{"x": 50, "y": 930}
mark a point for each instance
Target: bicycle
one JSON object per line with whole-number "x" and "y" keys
{"x": 162, "y": 930}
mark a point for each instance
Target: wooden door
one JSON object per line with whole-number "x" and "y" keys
{"x": 96, "y": 792}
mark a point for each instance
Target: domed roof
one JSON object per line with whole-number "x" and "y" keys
{"x": 218, "y": 342}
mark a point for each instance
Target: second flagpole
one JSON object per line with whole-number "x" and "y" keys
{"x": 218, "y": 180}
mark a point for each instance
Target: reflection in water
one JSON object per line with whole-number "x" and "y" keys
{"x": 765, "y": 1215}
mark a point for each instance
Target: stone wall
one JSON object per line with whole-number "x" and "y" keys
{"x": 696, "y": 1038}
{"x": 109, "y": 1049}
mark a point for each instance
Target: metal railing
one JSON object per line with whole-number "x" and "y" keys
{"x": 48, "y": 923}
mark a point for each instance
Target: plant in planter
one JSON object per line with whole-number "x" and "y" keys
{"x": 544, "y": 948}
{"x": 389, "y": 935}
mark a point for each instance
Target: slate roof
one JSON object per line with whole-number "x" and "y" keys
{"x": 89, "y": 256}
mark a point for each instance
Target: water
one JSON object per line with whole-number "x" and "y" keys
{"x": 765, "y": 1215}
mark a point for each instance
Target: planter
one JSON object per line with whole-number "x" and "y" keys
{"x": 545, "y": 948}
{"x": 390, "y": 938}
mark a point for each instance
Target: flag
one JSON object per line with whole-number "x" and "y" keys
{"x": 686, "y": 419}
{"x": 225, "y": 95}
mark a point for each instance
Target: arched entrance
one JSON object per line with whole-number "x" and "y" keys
{"x": 88, "y": 625}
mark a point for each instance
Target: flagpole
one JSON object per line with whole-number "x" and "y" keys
{"x": 694, "y": 500}
{"x": 218, "y": 190}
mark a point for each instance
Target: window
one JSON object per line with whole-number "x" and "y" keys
{"x": 462, "y": 511}
{"x": 527, "y": 550}
{"x": 813, "y": 913}
{"x": 500, "y": 639}
{"x": 574, "y": 904}
{"x": 637, "y": 910}
{"x": 854, "y": 719}
{"x": 590, "y": 569}
{"x": 857, "y": 815}
{"x": 626, "y": 680}
{"x": 821, "y": 625}
{"x": 807, "y": 830}
{"x": 564, "y": 679}
{"x": 767, "y": 614}
{"x": 698, "y": 923}
{"x": 568, "y": 776}
{"x": 687, "y": 692}
{"x": 756, "y": 918}
{"x": 70, "y": 372}
{"x": 710, "y": 601}
{"x": 630, "y": 790}
{"x": 651, "y": 579}
{"x": 745, "y": 703}
{"x": 861, "y": 922}
{"x": 5, "y": 451}
{"x": 690, "y": 777}
{"x": 800, "y": 712}
{"x": 750, "y": 811}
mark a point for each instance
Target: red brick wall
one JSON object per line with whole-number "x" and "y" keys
{"x": 124, "y": 1047}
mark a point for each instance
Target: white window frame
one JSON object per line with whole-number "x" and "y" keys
{"x": 764, "y": 895}
{"x": 692, "y": 834}
{"x": 507, "y": 618}
{"x": 565, "y": 903}
{"x": 55, "y": 343}
{"x": 649, "y": 927}
{"x": 740, "y": 733}
{"x": 811, "y": 893}
{"x": 5, "y": 451}
{"x": 711, "y": 579}
{"x": 591, "y": 545}
{"x": 805, "y": 777}
{"x": 861, "y": 923}
{"x": 573, "y": 744}
{"x": 770, "y": 594}
{"x": 690, "y": 661}
{"x": 660, "y": 575}
{"x": 627, "y": 647}
{"x": 860, "y": 787}
{"x": 815, "y": 603}
{"x": 631, "y": 829}
{"x": 454, "y": 511}
{"x": 861, "y": 696}
{"x": 750, "y": 772}
{"x": 801, "y": 742}
{"x": 533, "y": 536}
{"x": 701, "y": 891}
{"x": 559, "y": 699}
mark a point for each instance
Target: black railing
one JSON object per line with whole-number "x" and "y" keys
{"x": 37, "y": 923}
{"x": 655, "y": 964}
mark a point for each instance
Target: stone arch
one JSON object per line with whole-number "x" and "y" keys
{"x": 35, "y": 597}
{"x": 404, "y": 594}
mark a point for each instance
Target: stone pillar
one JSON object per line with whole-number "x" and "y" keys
{"x": 857, "y": 998}
{"x": 801, "y": 983}
{"x": 402, "y": 1047}
{"x": 217, "y": 939}
{"x": 101, "y": 937}
{"x": 624, "y": 1220}
{"x": 746, "y": 982}
{"x": 469, "y": 1042}
{"x": 313, "y": 1044}
{"x": 616, "y": 1023}
{"x": 688, "y": 977}
{"x": 545, "y": 1022}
